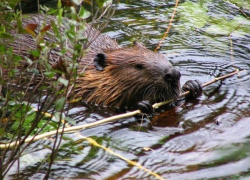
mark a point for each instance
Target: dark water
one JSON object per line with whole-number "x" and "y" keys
{"x": 206, "y": 138}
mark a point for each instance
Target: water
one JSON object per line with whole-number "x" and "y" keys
{"x": 207, "y": 138}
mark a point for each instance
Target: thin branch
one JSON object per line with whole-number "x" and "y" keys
{"x": 169, "y": 26}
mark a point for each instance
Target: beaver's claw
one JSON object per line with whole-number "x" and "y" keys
{"x": 145, "y": 107}
{"x": 194, "y": 87}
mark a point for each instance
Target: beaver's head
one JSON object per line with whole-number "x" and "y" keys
{"x": 124, "y": 77}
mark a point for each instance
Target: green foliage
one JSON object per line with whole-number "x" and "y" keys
{"x": 38, "y": 81}
{"x": 102, "y": 3}
{"x": 192, "y": 15}
{"x": 238, "y": 26}
{"x": 83, "y": 13}
{"x": 22, "y": 118}
{"x": 70, "y": 120}
{"x": 201, "y": 19}
{"x": 22, "y": 113}
{"x": 60, "y": 103}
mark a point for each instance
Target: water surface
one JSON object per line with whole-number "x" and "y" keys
{"x": 207, "y": 138}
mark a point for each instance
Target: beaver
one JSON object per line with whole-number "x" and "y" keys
{"x": 114, "y": 76}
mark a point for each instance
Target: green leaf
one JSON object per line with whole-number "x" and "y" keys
{"x": 60, "y": 14}
{"x": 12, "y": 103}
{"x": 77, "y": 2}
{"x": 2, "y": 132}
{"x": 5, "y": 35}
{"x": 58, "y": 116}
{"x": 100, "y": 3}
{"x": 55, "y": 29}
{"x": 103, "y": 3}
{"x": 49, "y": 74}
{"x": 53, "y": 125}
{"x": 60, "y": 103}
{"x": 29, "y": 61}
{"x": 48, "y": 127}
{"x": 193, "y": 15}
{"x": 59, "y": 4}
{"x": 22, "y": 112}
{"x": 71, "y": 35}
{"x": 17, "y": 58}
{"x": 239, "y": 26}
{"x": 35, "y": 71}
{"x": 70, "y": 120}
{"x": 35, "y": 53}
{"x": 2, "y": 48}
{"x": 83, "y": 13}
{"x": 65, "y": 82}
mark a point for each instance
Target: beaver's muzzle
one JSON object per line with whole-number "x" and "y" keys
{"x": 172, "y": 76}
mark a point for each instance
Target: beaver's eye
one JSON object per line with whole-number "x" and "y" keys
{"x": 139, "y": 66}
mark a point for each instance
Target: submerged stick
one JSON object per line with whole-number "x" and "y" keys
{"x": 93, "y": 142}
{"x": 113, "y": 118}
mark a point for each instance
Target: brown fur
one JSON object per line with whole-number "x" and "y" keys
{"x": 121, "y": 83}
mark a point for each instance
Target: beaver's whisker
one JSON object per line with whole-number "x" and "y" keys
{"x": 148, "y": 91}
{"x": 151, "y": 92}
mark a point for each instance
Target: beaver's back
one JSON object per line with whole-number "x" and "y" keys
{"x": 115, "y": 76}
{"x": 25, "y": 43}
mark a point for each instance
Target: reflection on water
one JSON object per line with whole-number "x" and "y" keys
{"x": 201, "y": 139}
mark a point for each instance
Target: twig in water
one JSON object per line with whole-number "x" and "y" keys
{"x": 169, "y": 26}
{"x": 93, "y": 142}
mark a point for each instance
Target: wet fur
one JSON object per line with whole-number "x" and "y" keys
{"x": 122, "y": 84}
{"x": 130, "y": 76}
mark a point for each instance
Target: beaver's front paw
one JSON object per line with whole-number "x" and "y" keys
{"x": 194, "y": 87}
{"x": 145, "y": 107}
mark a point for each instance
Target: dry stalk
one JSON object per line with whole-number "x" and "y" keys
{"x": 133, "y": 163}
{"x": 93, "y": 142}
{"x": 169, "y": 26}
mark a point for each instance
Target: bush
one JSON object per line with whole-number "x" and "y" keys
{"x": 30, "y": 78}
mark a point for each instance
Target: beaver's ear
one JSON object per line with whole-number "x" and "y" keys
{"x": 100, "y": 61}
{"x": 136, "y": 44}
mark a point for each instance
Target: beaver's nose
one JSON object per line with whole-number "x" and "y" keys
{"x": 172, "y": 75}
